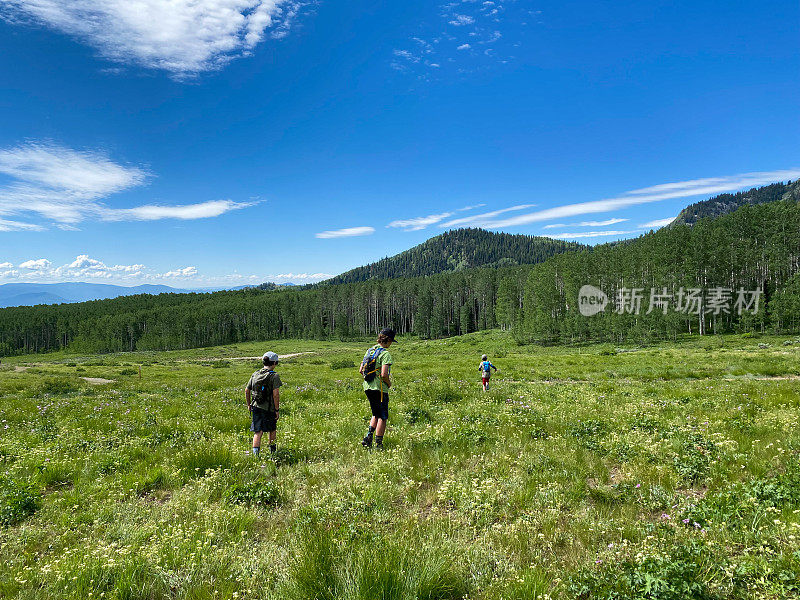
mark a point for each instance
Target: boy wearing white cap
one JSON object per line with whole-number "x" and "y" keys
{"x": 263, "y": 397}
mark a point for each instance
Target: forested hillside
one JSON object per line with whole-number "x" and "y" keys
{"x": 755, "y": 247}
{"x": 726, "y": 203}
{"x": 458, "y": 250}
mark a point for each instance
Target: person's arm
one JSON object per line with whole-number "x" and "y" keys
{"x": 247, "y": 398}
{"x": 276, "y": 398}
{"x": 495, "y": 368}
{"x": 385, "y": 376}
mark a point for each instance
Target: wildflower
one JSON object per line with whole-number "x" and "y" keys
{"x": 638, "y": 485}
{"x": 665, "y": 516}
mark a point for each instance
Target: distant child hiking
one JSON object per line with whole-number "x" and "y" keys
{"x": 486, "y": 371}
{"x": 263, "y": 397}
{"x": 376, "y": 369}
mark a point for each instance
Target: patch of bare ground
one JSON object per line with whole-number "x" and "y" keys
{"x": 97, "y": 380}
{"x": 695, "y": 493}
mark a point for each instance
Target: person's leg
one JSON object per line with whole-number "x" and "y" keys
{"x": 272, "y": 446}
{"x": 383, "y": 417}
{"x": 257, "y": 442}
{"x": 373, "y": 422}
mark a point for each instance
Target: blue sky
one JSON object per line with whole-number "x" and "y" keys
{"x": 225, "y": 142}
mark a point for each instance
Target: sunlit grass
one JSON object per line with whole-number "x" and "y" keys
{"x": 580, "y": 473}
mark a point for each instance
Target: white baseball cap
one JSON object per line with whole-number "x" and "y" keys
{"x": 271, "y": 357}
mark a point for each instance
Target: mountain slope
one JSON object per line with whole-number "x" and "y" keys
{"x": 726, "y": 203}
{"x": 458, "y": 250}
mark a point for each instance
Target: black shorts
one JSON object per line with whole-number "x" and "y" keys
{"x": 263, "y": 420}
{"x": 379, "y": 403}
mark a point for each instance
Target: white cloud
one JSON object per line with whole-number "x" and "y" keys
{"x": 479, "y": 220}
{"x": 605, "y": 223}
{"x": 347, "y": 232}
{"x": 685, "y": 189}
{"x": 184, "y": 273}
{"x": 472, "y": 207}
{"x": 152, "y": 212}
{"x": 658, "y": 223}
{"x": 461, "y": 20}
{"x": 298, "y": 277}
{"x": 182, "y": 37}
{"x": 6, "y": 225}
{"x": 68, "y": 186}
{"x": 589, "y": 234}
{"x": 39, "y": 264}
{"x": 447, "y": 45}
{"x": 87, "y": 268}
{"x": 418, "y": 223}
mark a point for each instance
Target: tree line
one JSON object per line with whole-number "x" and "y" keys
{"x": 753, "y": 248}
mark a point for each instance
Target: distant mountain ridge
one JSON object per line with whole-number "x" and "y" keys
{"x": 457, "y": 250}
{"x": 30, "y": 294}
{"x": 726, "y": 203}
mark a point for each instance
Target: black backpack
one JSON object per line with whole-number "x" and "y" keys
{"x": 370, "y": 363}
{"x": 262, "y": 388}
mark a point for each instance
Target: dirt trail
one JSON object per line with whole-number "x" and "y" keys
{"x": 18, "y": 369}
{"x": 97, "y": 380}
{"x": 280, "y": 356}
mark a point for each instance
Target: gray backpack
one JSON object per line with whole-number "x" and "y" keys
{"x": 262, "y": 389}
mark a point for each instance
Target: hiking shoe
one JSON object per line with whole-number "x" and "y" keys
{"x": 367, "y": 441}
{"x": 379, "y": 447}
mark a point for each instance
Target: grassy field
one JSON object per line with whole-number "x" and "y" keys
{"x": 666, "y": 471}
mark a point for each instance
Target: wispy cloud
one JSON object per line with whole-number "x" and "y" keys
{"x": 467, "y": 36}
{"x": 480, "y": 220}
{"x": 182, "y": 37}
{"x": 418, "y": 223}
{"x": 472, "y": 207}
{"x": 295, "y": 277}
{"x": 589, "y": 234}
{"x": 68, "y": 186}
{"x": 657, "y": 223}
{"x": 605, "y": 223}
{"x": 153, "y": 212}
{"x": 6, "y": 225}
{"x": 685, "y": 189}
{"x": 347, "y": 232}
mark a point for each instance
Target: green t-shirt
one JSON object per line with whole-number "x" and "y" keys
{"x": 265, "y": 404}
{"x": 384, "y": 358}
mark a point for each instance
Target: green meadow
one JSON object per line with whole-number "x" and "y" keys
{"x": 664, "y": 471}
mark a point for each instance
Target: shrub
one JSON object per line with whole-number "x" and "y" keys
{"x": 417, "y": 414}
{"x": 57, "y": 386}
{"x": 128, "y": 372}
{"x": 342, "y": 363}
{"x": 17, "y": 501}
{"x": 679, "y": 574}
{"x": 693, "y": 461}
{"x": 250, "y": 493}
{"x": 588, "y": 432}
